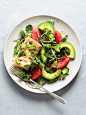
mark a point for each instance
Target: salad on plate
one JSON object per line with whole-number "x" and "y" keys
{"x": 43, "y": 53}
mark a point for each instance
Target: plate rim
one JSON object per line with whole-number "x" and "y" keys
{"x": 43, "y": 16}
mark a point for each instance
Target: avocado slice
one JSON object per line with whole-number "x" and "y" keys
{"x": 67, "y": 45}
{"x": 47, "y": 26}
{"x": 65, "y": 71}
{"x": 51, "y": 76}
{"x": 44, "y": 59}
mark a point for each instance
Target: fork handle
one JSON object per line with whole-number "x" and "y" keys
{"x": 52, "y": 94}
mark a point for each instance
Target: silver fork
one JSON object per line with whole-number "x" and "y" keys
{"x": 14, "y": 70}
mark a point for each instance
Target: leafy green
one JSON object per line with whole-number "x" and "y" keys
{"x": 66, "y": 36}
{"x": 47, "y": 55}
{"x": 18, "y": 46}
{"x": 30, "y": 42}
{"x": 62, "y": 58}
{"x": 33, "y": 65}
{"x": 49, "y": 70}
{"x": 33, "y": 51}
{"x": 54, "y": 64}
{"x": 20, "y": 53}
{"x": 46, "y": 36}
{"x": 41, "y": 65}
{"x": 23, "y": 33}
{"x": 29, "y": 35}
{"x": 26, "y": 46}
{"x": 38, "y": 57}
{"x": 22, "y": 73}
{"x": 17, "y": 60}
{"x": 52, "y": 38}
{"x": 28, "y": 76}
{"x": 47, "y": 46}
{"x": 62, "y": 77}
{"x": 27, "y": 65}
{"x": 64, "y": 39}
{"x": 32, "y": 47}
{"x": 16, "y": 50}
{"x": 25, "y": 53}
{"x": 15, "y": 46}
{"x": 67, "y": 67}
{"x": 34, "y": 62}
{"x": 52, "y": 43}
{"x": 67, "y": 50}
{"x": 40, "y": 62}
{"x": 28, "y": 29}
{"x": 51, "y": 60}
{"x": 54, "y": 53}
{"x": 31, "y": 57}
{"x": 52, "y": 81}
{"x": 25, "y": 74}
{"x": 65, "y": 53}
{"x": 41, "y": 39}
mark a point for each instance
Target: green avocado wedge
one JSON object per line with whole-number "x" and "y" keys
{"x": 44, "y": 59}
{"x": 67, "y": 45}
{"x": 47, "y": 26}
{"x": 51, "y": 76}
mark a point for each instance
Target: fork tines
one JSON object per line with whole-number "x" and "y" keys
{"x": 14, "y": 70}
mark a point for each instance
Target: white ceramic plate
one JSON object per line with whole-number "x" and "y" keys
{"x": 59, "y": 25}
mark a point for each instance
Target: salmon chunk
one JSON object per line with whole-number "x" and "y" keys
{"x": 24, "y": 60}
{"x": 35, "y": 43}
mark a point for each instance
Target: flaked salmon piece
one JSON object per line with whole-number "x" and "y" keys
{"x": 35, "y": 43}
{"x": 25, "y": 59}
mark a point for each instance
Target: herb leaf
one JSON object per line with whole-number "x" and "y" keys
{"x": 65, "y": 53}
{"x": 46, "y": 36}
{"x": 19, "y": 54}
{"x": 52, "y": 38}
{"x": 30, "y": 42}
{"x": 28, "y": 28}
{"x": 22, "y": 33}
{"x": 31, "y": 57}
{"x": 49, "y": 70}
{"x": 16, "y": 59}
{"x": 28, "y": 65}
{"x": 32, "y": 47}
{"x": 62, "y": 58}
{"x": 41, "y": 66}
{"x": 28, "y": 76}
{"x": 22, "y": 74}
{"x": 64, "y": 39}
{"x": 41, "y": 39}
{"x": 34, "y": 62}
{"x": 54, "y": 64}
{"x": 16, "y": 50}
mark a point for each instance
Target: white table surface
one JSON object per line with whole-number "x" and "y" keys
{"x": 16, "y": 101}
